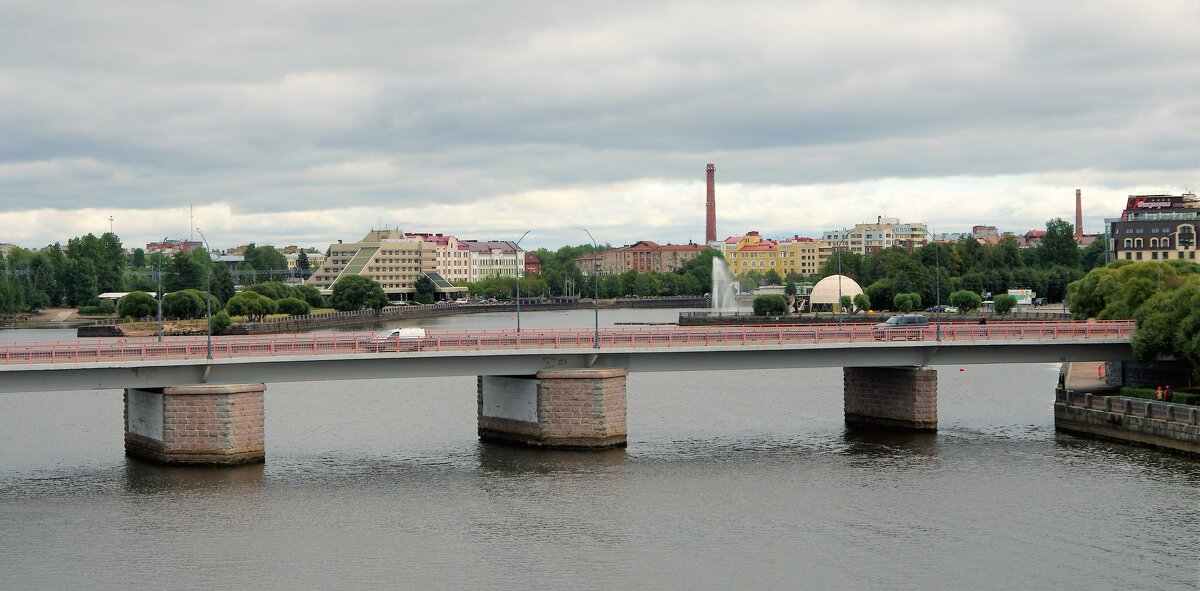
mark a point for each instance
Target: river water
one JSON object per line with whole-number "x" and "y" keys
{"x": 731, "y": 480}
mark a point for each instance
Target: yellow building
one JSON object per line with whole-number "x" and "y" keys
{"x": 752, "y": 252}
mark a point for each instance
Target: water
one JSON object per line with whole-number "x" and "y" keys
{"x": 725, "y": 287}
{"x": 741, "y": 480}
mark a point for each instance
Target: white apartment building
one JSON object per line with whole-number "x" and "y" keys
{"x": 868, "y": 238}
{"x": 495, "y": 258}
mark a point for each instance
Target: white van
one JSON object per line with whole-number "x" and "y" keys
{"x": 398, "y": 339}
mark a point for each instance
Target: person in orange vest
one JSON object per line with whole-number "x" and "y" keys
{"x": 1158, "y": 395}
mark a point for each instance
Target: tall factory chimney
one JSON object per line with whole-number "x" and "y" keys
{"x": 1078, "y": 214}
{"x": 710, "y": 226}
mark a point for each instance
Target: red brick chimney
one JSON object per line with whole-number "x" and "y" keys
{"x": 710, "y": 227}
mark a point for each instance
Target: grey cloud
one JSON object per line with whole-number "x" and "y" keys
{"x": 255, "y": 104}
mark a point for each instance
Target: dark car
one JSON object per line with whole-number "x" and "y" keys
{"x": 901, "y": 326}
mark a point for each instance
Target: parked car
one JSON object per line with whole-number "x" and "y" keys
{"x": 901, "y": 326}
{"x": 398, "y": 339}
{"x": 942, "y": 308}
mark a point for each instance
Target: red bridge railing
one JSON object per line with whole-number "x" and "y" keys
{"x": 174, "y": 348}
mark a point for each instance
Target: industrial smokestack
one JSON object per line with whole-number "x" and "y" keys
{"x": 1078, "y": 214}
{"x": 710, "y": 226}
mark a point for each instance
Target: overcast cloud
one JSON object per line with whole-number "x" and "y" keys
{"x": 309, "y": 122}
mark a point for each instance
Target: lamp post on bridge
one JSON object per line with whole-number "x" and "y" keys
{"x": 937, "y": 265}
{"x": 595, "y": 294}
{"x": 160, "y": 291}
{"x": 520, "y": 268}
{"x": 207, "y": 297}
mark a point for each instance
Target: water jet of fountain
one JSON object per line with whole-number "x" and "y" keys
{"x": 725, "y": 288}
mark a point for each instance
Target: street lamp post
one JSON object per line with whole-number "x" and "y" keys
{"x": 208, "y": 297}
{"x": 160, "y": 292}
{"x": 520, "y": 265}
{"x": 595, "y": 294}
{"x": 839, "y": 302}
{"x": 937, "y": 265}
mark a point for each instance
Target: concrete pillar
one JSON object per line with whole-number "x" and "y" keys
{"x": 565, "y": 409}
{"x": 219, "y": 425}
{"x": 894, "y": 397}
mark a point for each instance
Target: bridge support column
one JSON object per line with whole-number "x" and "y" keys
{"x": 216, "y": 425}
{"x": 892, "y": 397}
{"x": 564, "y": 409}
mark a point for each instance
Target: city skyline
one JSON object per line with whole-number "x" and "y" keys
{"x": 306, "y": 126}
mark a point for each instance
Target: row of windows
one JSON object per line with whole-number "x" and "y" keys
{"x": 1137, "y": 256}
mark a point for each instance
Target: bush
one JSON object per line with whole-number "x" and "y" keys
{"x": 1181, "y": 397}
{"x": 906, "y": 302}
{"x": 1004, "y": 303}
{"x": 310, "y": 294}
{"x": 138, "y": 304}
{"x": 770, "y": 305}
{"x": 293, "y": 306}
{"x": 104, "y": 308}
{"x": 862, "y": 302}
{"x": 185, "y": 303}
{"x": 965, "y": 301}
{"x": 250, "y": 304}
{"x": 219, "y": 322}
{"x": 276, "y": 290}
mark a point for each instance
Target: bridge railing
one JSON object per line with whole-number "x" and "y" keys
{"x": 149, "y": 348}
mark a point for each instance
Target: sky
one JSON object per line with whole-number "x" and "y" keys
{"x": 308, "y": 122}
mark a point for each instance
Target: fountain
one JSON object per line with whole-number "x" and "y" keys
{"x": 725, "y": 288}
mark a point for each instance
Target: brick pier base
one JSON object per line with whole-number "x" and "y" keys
{"x": 893, "y": 397}
{"x": 216, "y": 425}
{"x": 565, "y": 409}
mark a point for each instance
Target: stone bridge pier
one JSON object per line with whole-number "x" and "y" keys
{"x": 201, "y": 425}
{"x": 891, "y": 397}
{"x": 564, "y": 409}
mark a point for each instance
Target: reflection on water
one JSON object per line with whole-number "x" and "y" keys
{"x": 730, "y": 480}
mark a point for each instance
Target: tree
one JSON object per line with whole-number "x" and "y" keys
{"x": 846, "y": 303}
{"x": 356, "y": 292}
{"x": 293, "y": 306}
{"x": 1004, "y": 303}
{"x": 302, "y": 261}
{"x": 1058, "y": 246}
{"x": 222, "y": 283}
{"x": 906, "y": 302}
{"x": 789, "y": 288}
{"x": 276, "y": 290}
{"x": 311, "y": 295}
{"x": 138, "y": 304}
{"x": 770, "y": 305}
{"x": 965, "y": 300}
{"x": 772, "y": 277}
{"x": 253, "y": 305}
{"x": 185, "y": 303}
{"x": 185, "y": 274}
{"x": 79, "y": 277}
{"x": 425, "y": 290}
{"x": 265, "y": 258}
{"x": 137, "y": 260}
{"x": 862, "y": 302}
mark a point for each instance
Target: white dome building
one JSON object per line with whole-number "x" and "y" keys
{"x": 825, "y": 292}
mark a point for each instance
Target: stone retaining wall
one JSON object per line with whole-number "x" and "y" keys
{"x": 1164, "y": 425}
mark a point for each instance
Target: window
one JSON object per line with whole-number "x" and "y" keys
{"x": 1154, "y": 255}
{"x": 1139, "y": 255}
{"x": 1128, "y": 242}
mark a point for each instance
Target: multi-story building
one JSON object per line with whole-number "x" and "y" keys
{"x": 388, "y": 257}
{"x": 797, "y": 254}
{"x": 647, "y": 255}
{"x": 533, "y": 265}
{"x": 1155, "y": 227}
{"x": 452, "y": 256}
{"x": 171, "y": 247}
{"x": 314, "y": 259}
{"x": 495, "y": 258}
{"x": 589, "y": 262}
{"x": 867, "y": 238}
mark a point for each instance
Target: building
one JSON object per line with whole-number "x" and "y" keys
{"x": 589, "y": 262}
{"x": 453, "y": 256}
{"x": 868, "y": 238}
{"x": 388, "y": 257}
{"x": 314, "y": 259}
{"x": 171, "y": 247}
{"x": 647, "y": 255}
{"x": 533, "y": 265}
{"x": 1155, "y": 227}
{"x": 494, "y": 258}
{"x": 796, "y": 254}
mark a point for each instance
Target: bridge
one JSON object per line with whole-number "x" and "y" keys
{"x": 189, "y": 400}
